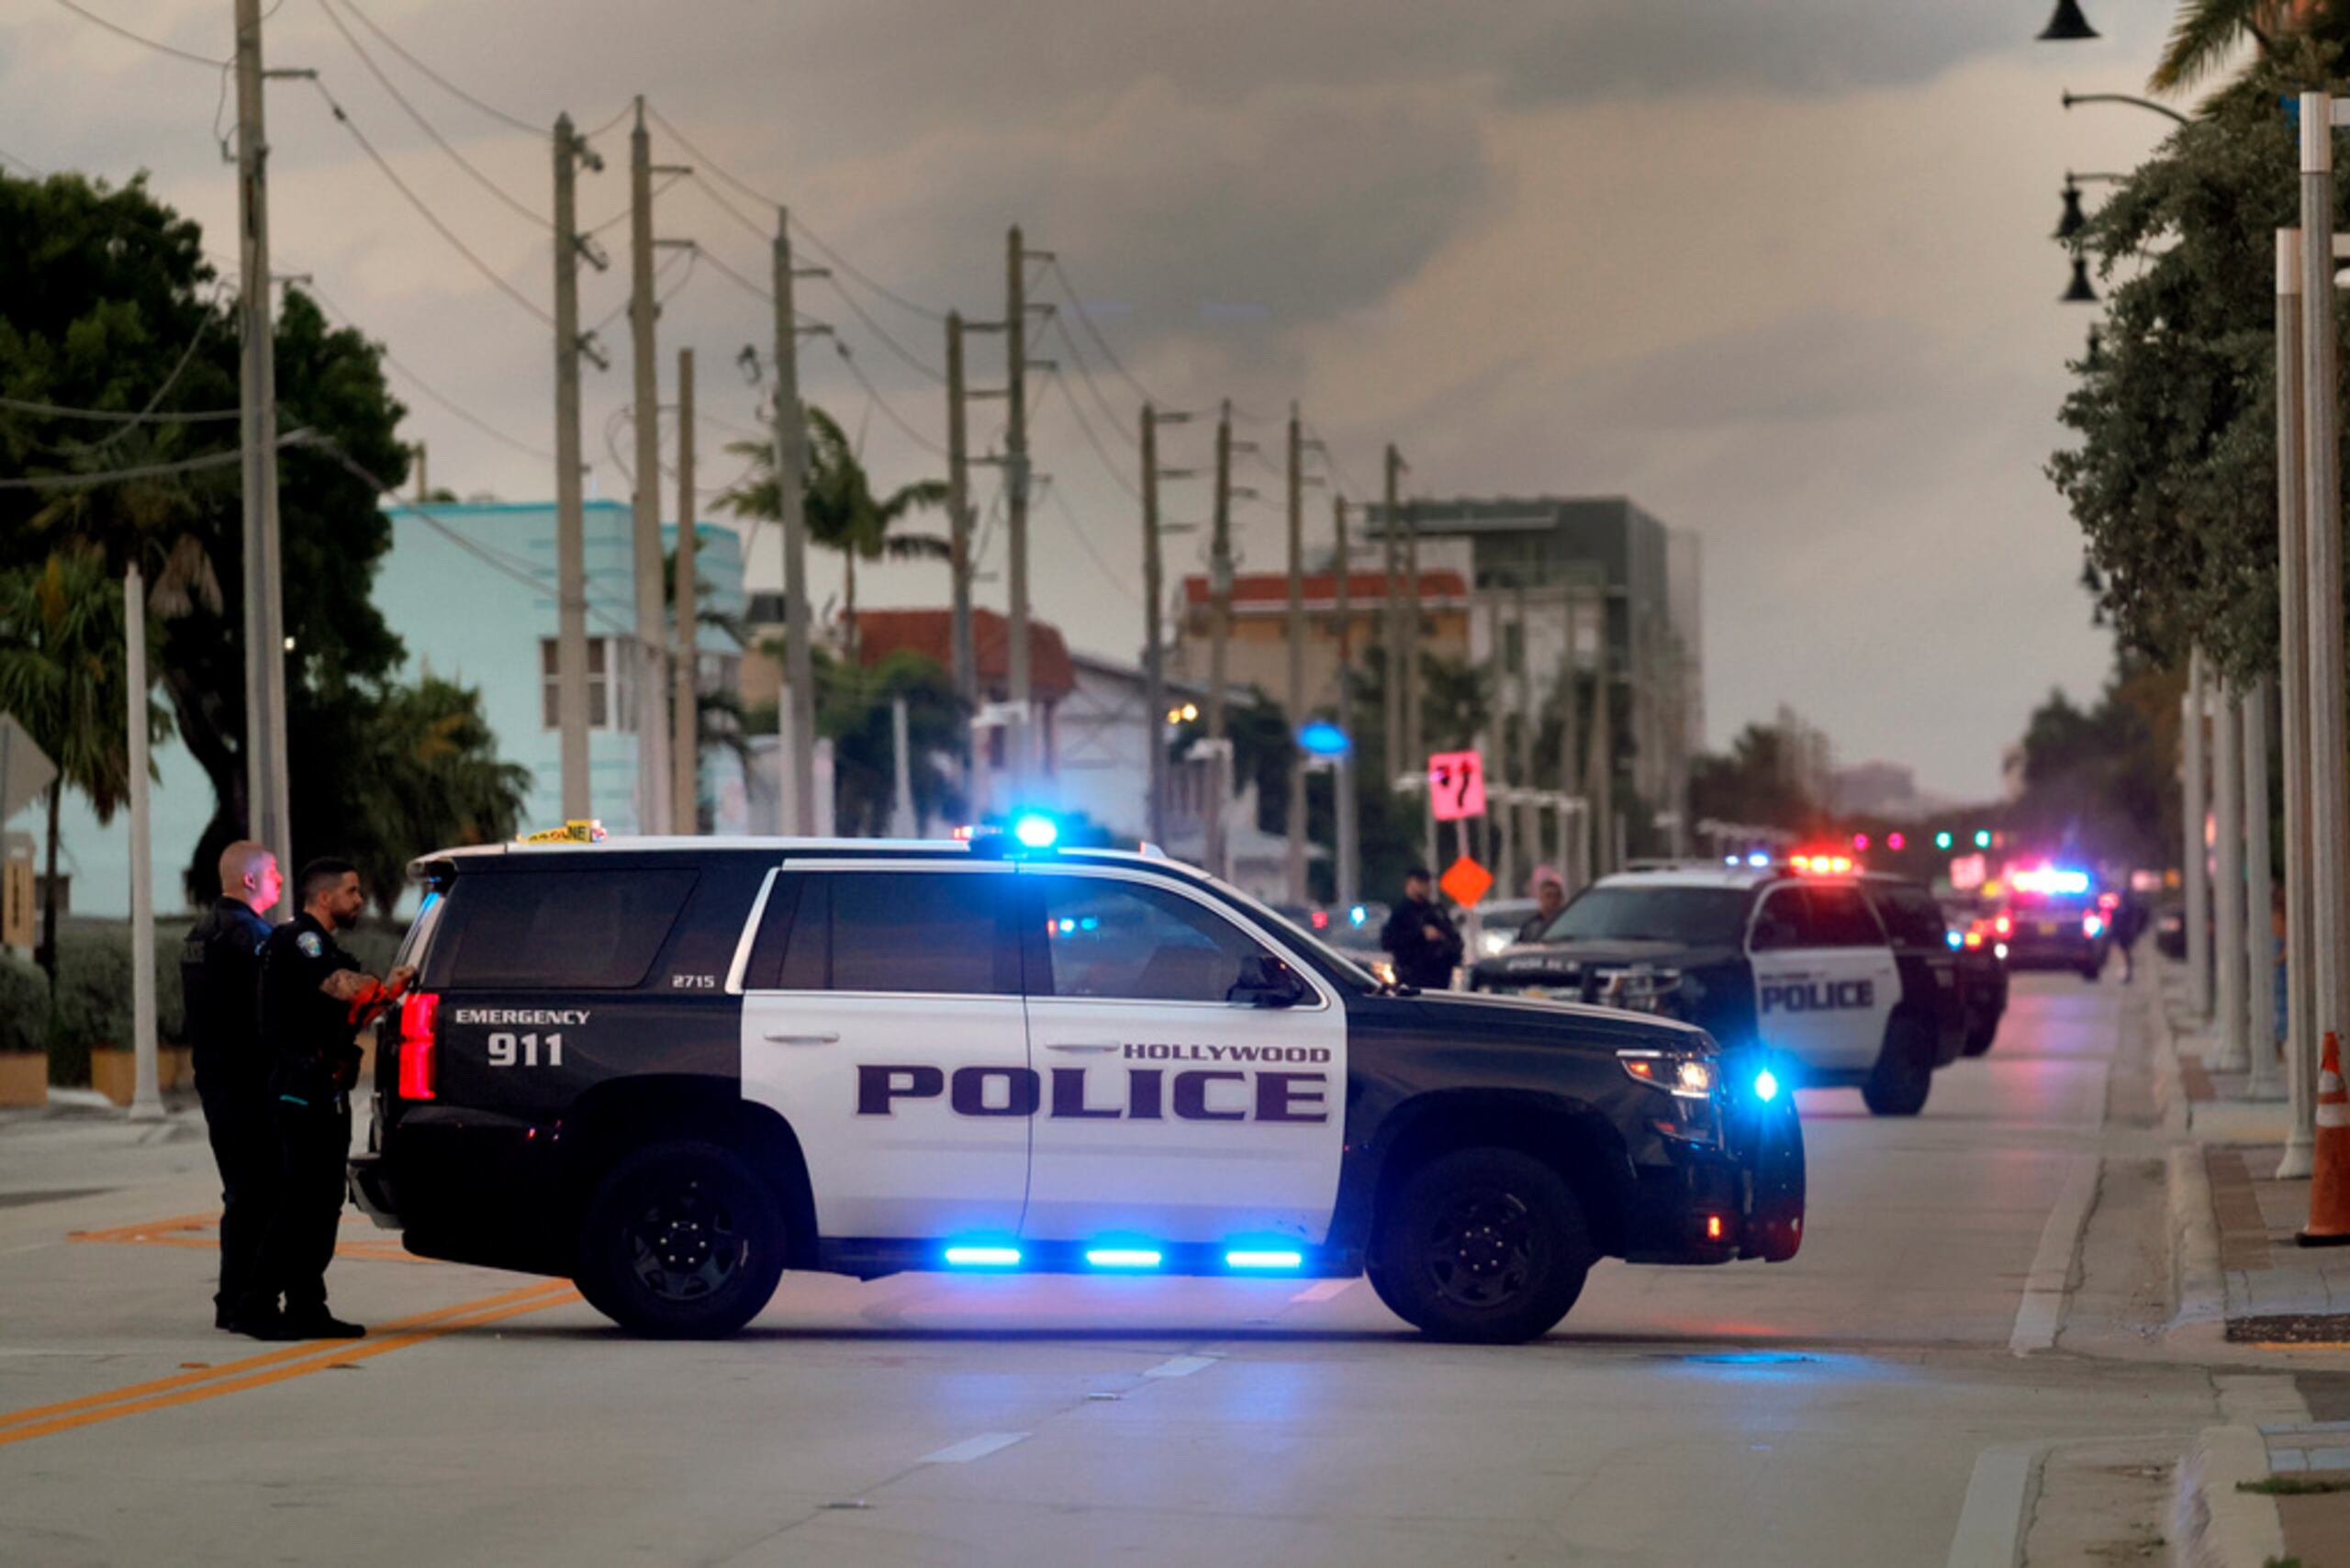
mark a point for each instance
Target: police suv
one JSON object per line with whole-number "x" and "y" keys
{"x": 1844, "y": 979}
{"x": 671, "y": 1069}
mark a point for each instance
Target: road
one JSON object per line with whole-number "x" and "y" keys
{"x": 1864, "y": 1403}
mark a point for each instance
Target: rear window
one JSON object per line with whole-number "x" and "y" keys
{"x": 1710, "y": 917}
{"x": 586, "y": 930}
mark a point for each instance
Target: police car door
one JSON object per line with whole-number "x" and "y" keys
{"x": 1825, "y": 981}
{"x": 881, "y": 1017}
{"x": 1173, "y": 1112}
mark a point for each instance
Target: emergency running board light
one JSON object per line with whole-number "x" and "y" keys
{"x": 983, "y": 1256}
{"x": 1264, "y": 1259}
{"x": 1122, "y": 1257}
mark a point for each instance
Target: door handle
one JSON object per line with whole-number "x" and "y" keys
{"x": 829, "y": 1039}
{"x": 1081, "y": 1045}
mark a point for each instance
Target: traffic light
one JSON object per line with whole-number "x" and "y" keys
{"x": 1942, "y": 839}
{"x": 1895, "y": 840}
{"x": 1982, "y": 838}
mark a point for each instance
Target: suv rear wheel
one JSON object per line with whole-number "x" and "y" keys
{"x": 681, "y": 1241}
{"x": 1482, "y": 1246}
{"x": 1904, "y": 1073}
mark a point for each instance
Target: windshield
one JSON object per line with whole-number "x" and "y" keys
{"x": 1700, "y": 917}
{"x": 1340, "y": 967}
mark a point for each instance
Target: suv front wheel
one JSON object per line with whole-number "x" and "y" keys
{"x": 1482, "y": 1246}
{"x": 681, "y": 1241}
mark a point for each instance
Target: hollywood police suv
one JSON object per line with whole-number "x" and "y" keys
{"x": 1844, "y": 977}
{"x": 671, "y": 1069}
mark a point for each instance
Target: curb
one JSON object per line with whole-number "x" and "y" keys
{"x": 2199, "y": 1289}
{"x": 2212, "y": 1524}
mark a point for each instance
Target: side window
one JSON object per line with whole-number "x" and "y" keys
{"x": 1111, "y": 940}
{"x": 765, "y": 970}
{"x": 589, "y": 930}
{"x": 1911, "y": 916}
{"x": 1784, "y": 922}
{"x": 1841, "y": 918}
{"x": 926, "y": 932}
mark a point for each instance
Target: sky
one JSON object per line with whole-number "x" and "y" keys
{"x": 1780, "y": 273}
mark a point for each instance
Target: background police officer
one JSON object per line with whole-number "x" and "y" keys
{"x": 1420, "y": 936}
{"x": 219, "y": 977}
{"x": 307, "y": 985}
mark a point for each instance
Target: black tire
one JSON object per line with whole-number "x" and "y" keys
{"x": 2093, "y": 970}
{"x": 1904, "y": 1075}
{"x": 681, "y": 1241}
{"x": 1482, "y": 1246}
{"x": 1980, "y": 1032}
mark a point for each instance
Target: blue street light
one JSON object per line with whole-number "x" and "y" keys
{"x": 1323, "y": 738}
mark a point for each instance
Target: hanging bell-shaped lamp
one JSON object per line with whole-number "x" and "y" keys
{"x": 2074, "y": 221}
{"x": 2080, "y": 292}
{"x": 2067, "y": 25}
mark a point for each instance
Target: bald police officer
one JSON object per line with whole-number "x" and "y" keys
{"x": 220, "y": 978}
{"x": 307, "y": 985}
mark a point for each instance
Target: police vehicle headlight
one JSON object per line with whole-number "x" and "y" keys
{"x": 1493, "y": 943}
{"x": 1690, "y": 1077}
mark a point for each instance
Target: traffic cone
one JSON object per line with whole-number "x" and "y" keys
{"x": 2329, "y": 1186}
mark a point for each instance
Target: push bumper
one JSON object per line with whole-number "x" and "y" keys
{"x": 1744, "y": 1199}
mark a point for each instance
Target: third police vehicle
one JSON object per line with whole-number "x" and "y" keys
{"x": 671, "y": 1070}
{"x": 1848, "y": 979}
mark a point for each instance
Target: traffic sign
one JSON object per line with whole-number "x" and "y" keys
{"x": 1465, "y": 881}
{"x": 1456, "y": 785}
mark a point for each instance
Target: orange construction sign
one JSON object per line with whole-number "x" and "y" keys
{"x": 1465, "y": 881}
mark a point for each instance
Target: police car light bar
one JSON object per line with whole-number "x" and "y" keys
{"x": 2051, "y": 880}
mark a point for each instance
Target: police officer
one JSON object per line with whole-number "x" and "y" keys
{"x": 1550, "y": 897}
{"x": 219, "y": 977}
{"x": 307, "y": 985}
{"x": 1420, "y": 936}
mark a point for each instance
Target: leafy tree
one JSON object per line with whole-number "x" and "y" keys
{"x": 433, "y": 779}
{"x": 2206, "y": 32}
{"x": 853, "y": 712}
{"x": 2097, "y": 781}
{"x": 1753, "y": 783}
{"x": 841, "y": 509}
{"x": 63, "y": 674}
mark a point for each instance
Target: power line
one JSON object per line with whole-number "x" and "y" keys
{"x": 492, "y": 186}
{"x": 467, "y": 415}
{"x": 814, "y": 239}
{"x": 151, "y": 470}
{"x": 492, "y": 110}
{"x": 626, "y": 209}
{"x": 344, "y": 119}
{"x": 895, "y": 347}
{"x": 1077, "y": 303}
{"x": 1110, "y": 574}
{"x": 618, "y": 115}
{"x": 118, "y": 416}
{"x": 744, "y": 284}
{"x": 1330, "y": 455}
{"x": 1100, "y": 402}
{"x": 34, "y": 170}
{"x": 889, "y": 412}
{"x": 616, "y": 311}
{"x": 1109, "y": 464}
{"x": 120, "y": 31}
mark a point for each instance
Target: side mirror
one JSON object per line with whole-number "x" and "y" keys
{"x": 1267, "y": 982}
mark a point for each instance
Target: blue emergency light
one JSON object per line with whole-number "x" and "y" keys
{"x": 1034, "y": 829}
{"x": 1324, "y": 738}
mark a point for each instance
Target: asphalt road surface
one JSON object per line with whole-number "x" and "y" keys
{"x": 1882, "y": 1399}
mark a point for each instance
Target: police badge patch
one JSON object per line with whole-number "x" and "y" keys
{"x": 309, "y": 944}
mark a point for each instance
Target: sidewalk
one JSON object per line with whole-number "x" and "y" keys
{"x": 2241, "y": 1497}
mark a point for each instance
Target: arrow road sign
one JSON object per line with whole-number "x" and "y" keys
{"x": 1457, "y": 785}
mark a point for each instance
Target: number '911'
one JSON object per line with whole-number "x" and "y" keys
{"x": 522, "y": 1050}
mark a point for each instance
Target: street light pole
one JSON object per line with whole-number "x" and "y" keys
{"x": 2321, "y": 458}
{"x": 2301, "y": 1045}
{"x": 2191, "y": 799}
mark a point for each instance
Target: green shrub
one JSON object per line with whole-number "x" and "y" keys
{"x": 23, "y": 1005}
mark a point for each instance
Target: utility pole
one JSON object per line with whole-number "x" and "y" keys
{"x": 652, "y": 634}
{"x": 1019, "y": 676}
{"x": 1602, "y": 788}
{"x": 1415, "y": 749}
{"x": 685, "y": 747}
{"x": 2292, "y": 600}
{"x": 1219, "y": 633}
{"x": 1501, "y": 833}
{"x": 962, "y": 651}
{"x": 570, "y": 531}
{"x": 423, "y": 481}
{"x": 2321, "y": 453}
{"x": 2198, "y": 888}
{"x": 1392, "y": 670}
{"x": 1296, "y": 859}
{"x": 1154, "y": 670}
{"x": 1575, "y": 827}
{"x": 790, "y": 455}
{"x": 1348, "y": 847}
{"x": 1525, "y": 826}
{"x": 268, "y": 806}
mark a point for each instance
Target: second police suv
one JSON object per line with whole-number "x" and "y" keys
{"x": 1843, "y": 977}
{"x": 671, "y": 1069}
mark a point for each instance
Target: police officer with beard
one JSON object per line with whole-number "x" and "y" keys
{"x": 308, "y": 1027}
{"x": 220, "y": 978}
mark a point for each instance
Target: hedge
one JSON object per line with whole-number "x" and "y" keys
{"x": 23, "y": 1005}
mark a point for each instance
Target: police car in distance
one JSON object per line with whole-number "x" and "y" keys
{"x": 2053, "y": 919}
{"x": 671, "y": 1069}
{"x": 1850, "y": 979}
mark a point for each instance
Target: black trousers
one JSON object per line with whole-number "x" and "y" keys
{"x": 313, "y": 1145}
{"x": 244, "y": 1148}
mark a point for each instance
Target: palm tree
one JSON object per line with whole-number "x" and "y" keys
{"x": 2207, "y": 32}
{"x": 841, "y": 511}
{"x": 63, "y": 677}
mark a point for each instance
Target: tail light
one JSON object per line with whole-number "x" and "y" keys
{"x": 419, "y": 1046}
{"x": 2003, "y": 925}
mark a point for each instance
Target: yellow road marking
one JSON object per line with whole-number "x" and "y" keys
{"x": 271, "y": 1366}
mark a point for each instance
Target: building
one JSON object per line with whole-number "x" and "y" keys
{"x": 1807, "y": 762}
{"x": 470, "y": 591}
{"x": 1638, "y": 580}
{"x": 1257, "y": 653}
{"x": 1874, "y": 790}
{"x": 1052, "y": 678}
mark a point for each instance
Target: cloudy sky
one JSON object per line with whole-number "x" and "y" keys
{"x": 1779, "y": 271}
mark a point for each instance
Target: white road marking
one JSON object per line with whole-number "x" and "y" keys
{"x": 1990, "y": 1523}
{"x": 1323, "y": 1290}
{"x": 2041, "y": 1311}
{"x": 970, "y": 1448}
{"x": 1181, "y": 1366}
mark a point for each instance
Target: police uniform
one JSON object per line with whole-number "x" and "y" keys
{"x": 1421, "y": 960}
{"x": 220, "y": 978}
{"x": 309, "y": 1039}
